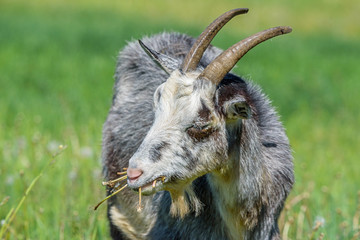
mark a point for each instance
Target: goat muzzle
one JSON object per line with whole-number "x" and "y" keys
{"x": 133, "y": 174}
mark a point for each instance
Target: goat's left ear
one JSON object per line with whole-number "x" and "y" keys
{"x": 238, "y": 108}
{"x": 166, "y": 63}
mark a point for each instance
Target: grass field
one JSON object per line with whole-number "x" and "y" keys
{"x": 56, "y": 74}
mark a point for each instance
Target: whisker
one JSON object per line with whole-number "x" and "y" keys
{"x": 110, "y": 196}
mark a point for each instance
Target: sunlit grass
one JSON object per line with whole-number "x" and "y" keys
{"x": 14, "y": 210}
{"x": 333, "y": 16}
{"x": 57, "y": 62}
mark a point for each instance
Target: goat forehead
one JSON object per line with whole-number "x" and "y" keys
{"x": 179, "y": 85}
{"x": 186, "y": 89}
{"x": 181, "y": 112}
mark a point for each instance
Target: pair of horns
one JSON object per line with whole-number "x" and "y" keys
{"x": 223, "y": 63}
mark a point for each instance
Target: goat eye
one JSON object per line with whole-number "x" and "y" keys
{"x": 200, "y": 131}
{"x": 201, "y": 127}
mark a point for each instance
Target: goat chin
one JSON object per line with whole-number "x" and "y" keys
{"x": 183, "y": 202}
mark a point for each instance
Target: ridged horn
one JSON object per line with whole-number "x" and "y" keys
{"x": 192, "y": 59}
{"x": 223, "y": 63}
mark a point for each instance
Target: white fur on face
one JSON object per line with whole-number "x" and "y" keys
{"x": 177, "y": 105}
{"x": 179, "y": 102}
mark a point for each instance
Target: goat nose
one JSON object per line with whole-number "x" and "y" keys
{"x": 134, "y": 173}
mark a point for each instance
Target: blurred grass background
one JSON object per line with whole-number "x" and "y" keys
{"x": 57, "y": 62}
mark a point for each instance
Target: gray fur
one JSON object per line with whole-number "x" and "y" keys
{"x": 235, "y": 176}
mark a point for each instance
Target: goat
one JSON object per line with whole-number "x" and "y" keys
{"x": 204, "y": 146}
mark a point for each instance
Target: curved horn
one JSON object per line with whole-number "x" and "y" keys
{"x": 192, "y": 59}
{"x": 223, "y": 63}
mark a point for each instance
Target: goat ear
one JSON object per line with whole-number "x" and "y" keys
{"x": 166, "y": 63}
{"x": 238, "y": 109}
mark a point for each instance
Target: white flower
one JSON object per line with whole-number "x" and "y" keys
{"x": 319, "y": 222}
{"x": 53, "y": 146}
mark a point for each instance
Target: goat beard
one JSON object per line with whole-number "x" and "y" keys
{"x": 183, "y": 201}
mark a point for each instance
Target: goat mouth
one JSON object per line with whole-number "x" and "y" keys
{"x": 150, "y": 187}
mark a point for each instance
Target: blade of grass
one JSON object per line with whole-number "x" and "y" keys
{"x": 13, "y": 211}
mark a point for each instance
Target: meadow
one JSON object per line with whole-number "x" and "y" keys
{"x": 57, "y": 62}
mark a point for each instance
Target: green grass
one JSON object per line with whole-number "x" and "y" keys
{"x": 56, "y": 74}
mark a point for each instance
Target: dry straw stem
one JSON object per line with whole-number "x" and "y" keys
{"x": 357, "y": 215}
{"x": 115, "y": 190}
{"x": 318, "y": 224}
{"x": 356, "y": 236}
{"x": 296, "y": 200}
{"x": 114, "y": 193}
{"x": 356, "y": 219}
{"x": 285, "y": 235}
{"x": 139, "y": 208}
{"x": 112, "y": 184}
{"x": 288, "y": 206}
{"x": 300, "y": 222}
{"x": 13, "y": 211}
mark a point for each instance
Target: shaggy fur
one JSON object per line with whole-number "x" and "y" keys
{"x": 222, "y": 149}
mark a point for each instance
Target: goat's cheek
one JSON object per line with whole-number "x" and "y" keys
{"x": 219, "y": 143}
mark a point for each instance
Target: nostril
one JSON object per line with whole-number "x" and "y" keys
{"x": 134, "y": 173}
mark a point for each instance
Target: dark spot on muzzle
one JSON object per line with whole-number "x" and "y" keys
{"x": 155, "y": 152}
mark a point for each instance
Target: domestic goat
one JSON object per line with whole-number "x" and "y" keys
{"x": 204, "y": 146}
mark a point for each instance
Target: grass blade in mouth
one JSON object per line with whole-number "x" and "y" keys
{"x": 139, "y": 208}
{"x": 114, "y": 193}
{"x": 112, "y": 183}
{"x": 116, "y": 189}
